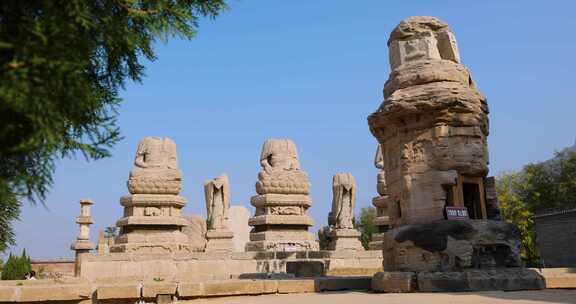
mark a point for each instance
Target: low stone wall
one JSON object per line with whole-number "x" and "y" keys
{"x": 122, "y": 290}
{"x": 221, "y": 266}
{"x": 53, "y": 267}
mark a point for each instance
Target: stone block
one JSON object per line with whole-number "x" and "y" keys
{"x": 345, "y": 283}
{"x": 238, "y": 287}
{"x": 442, "y": 281}
{"x": 196, "y": 232}
{"x": 190, "y": 289}
{"x": 152, "y": 289}
{"x": 447, "y": 46}
{"x": 305, "y": 269}
{"x": 8, "y": 293}
{"x": 55, "y": 292}
{"x": 164, "y": 299}
{"x": 119, "y": 291}
{"x": 296, "y": 286}
{"x": 389, "y": 281}
{"x": 238, "y": 217}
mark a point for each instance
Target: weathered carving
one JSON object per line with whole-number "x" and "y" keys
{"x": 287, "y": 210}
{"x": 381, "y": 177}
{"x": 217, "y": 193}
{"x": 281, "y": 169}
{"x": 281, "y": 221}
{"x": 433, "y": 126}
{"x": 155, "y": 168}
{"x": 152, "y": 211}
{"x": 152, "y": 221}
{"x": 343, "y": 201}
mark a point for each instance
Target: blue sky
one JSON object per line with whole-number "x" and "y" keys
{"x": 313, "y": 71}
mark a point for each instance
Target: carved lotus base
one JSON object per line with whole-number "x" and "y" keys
{"x": 282, "y": 186}
{"x": 154, "y": 186}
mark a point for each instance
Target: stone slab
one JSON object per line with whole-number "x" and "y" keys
{"x": 153, "y": 289}
{"x": 8, "y": 293}
{"x": 190, "y": 289}
{"x": 55, "y": 292}
{"x": 340, "y": 283}
{"x": 119, "y": 291}
{"x": 393, "y": 281}
{"x": 558, "y": 277}
{"x": 296, "y": 286}
{"x": 233, "y": 287}
{"x": 481, "y": 280}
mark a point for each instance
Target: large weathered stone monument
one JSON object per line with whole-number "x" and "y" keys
{"x": 152, "y": 221}
{"x": 342, "y": 234}
{"x": 432, "y": 128}
{"x": 217, "y": 193}
{"x": 281, "y": 221}
{"x": 381, "y": 203}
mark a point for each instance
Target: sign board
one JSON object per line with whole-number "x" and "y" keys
{"x": 457, "y": 213}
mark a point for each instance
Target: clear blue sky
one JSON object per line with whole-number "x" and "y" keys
{"x": 313, "y": 71}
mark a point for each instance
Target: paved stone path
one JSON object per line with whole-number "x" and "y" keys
{"x": 495, "y": 297}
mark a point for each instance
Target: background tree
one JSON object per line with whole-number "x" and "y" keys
{"x": 366, "y": 224}
{"x": 16, "y": 267}
{"x": 62, "y": 63}
{"x": 537, "y": 187}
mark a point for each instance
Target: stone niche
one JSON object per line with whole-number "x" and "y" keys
{"x": 281, "y": 220}
{"x": 152, "y": 221}
{"x": 432, "y": 129}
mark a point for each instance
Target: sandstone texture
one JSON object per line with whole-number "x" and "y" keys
{"x": 281, "y": 220}
{"x": 219, "y": 236}
{"x": 195, "y": 230}
{"x": 342, "y": 234}
{"x": 238, "y": 217}
{"x": 433, "y": 124}
{"x": 152, "y": 221}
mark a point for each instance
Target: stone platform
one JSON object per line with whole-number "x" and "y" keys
{"x": 162, "y": 290}
{"x": 508, "y": 279}
{"x": 226, "y": 265}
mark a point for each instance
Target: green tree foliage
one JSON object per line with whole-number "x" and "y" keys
{"x": 16, "y": 267}
{"x": 111, "y": 232}
{"x": 323, "y": 238}
{"x": 539, "y": 186}
{"x": 366, "y": 224}
{"x": 62, "y": 63}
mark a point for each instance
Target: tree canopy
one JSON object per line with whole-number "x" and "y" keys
{"x": 539, "y": 186}
{"x": 62, "y": 64}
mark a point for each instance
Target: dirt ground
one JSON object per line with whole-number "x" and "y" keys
{"x": 492, "y": 297}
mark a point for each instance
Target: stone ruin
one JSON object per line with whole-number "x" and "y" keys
{"x": 432, "y": 129}
{"x": 437, "y": 211}
{"x": 381, "y": 202}
{"x": 343, "y": 235}
{"x": 218, "y": 237}
{"x": 281, "y": 220}
{"x": 152, "y": 221}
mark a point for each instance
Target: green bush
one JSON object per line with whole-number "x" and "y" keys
{"x": 366, "y": 224}
{"x": 16, "y": 267}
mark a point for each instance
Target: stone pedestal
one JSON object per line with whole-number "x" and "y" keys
{"x": 281, "y": 223}
{"x": 219, "y": 241}
{"x": 151, "y": 224}
{"x": 152, "y": 221}
{"x": 345, "y": 239}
